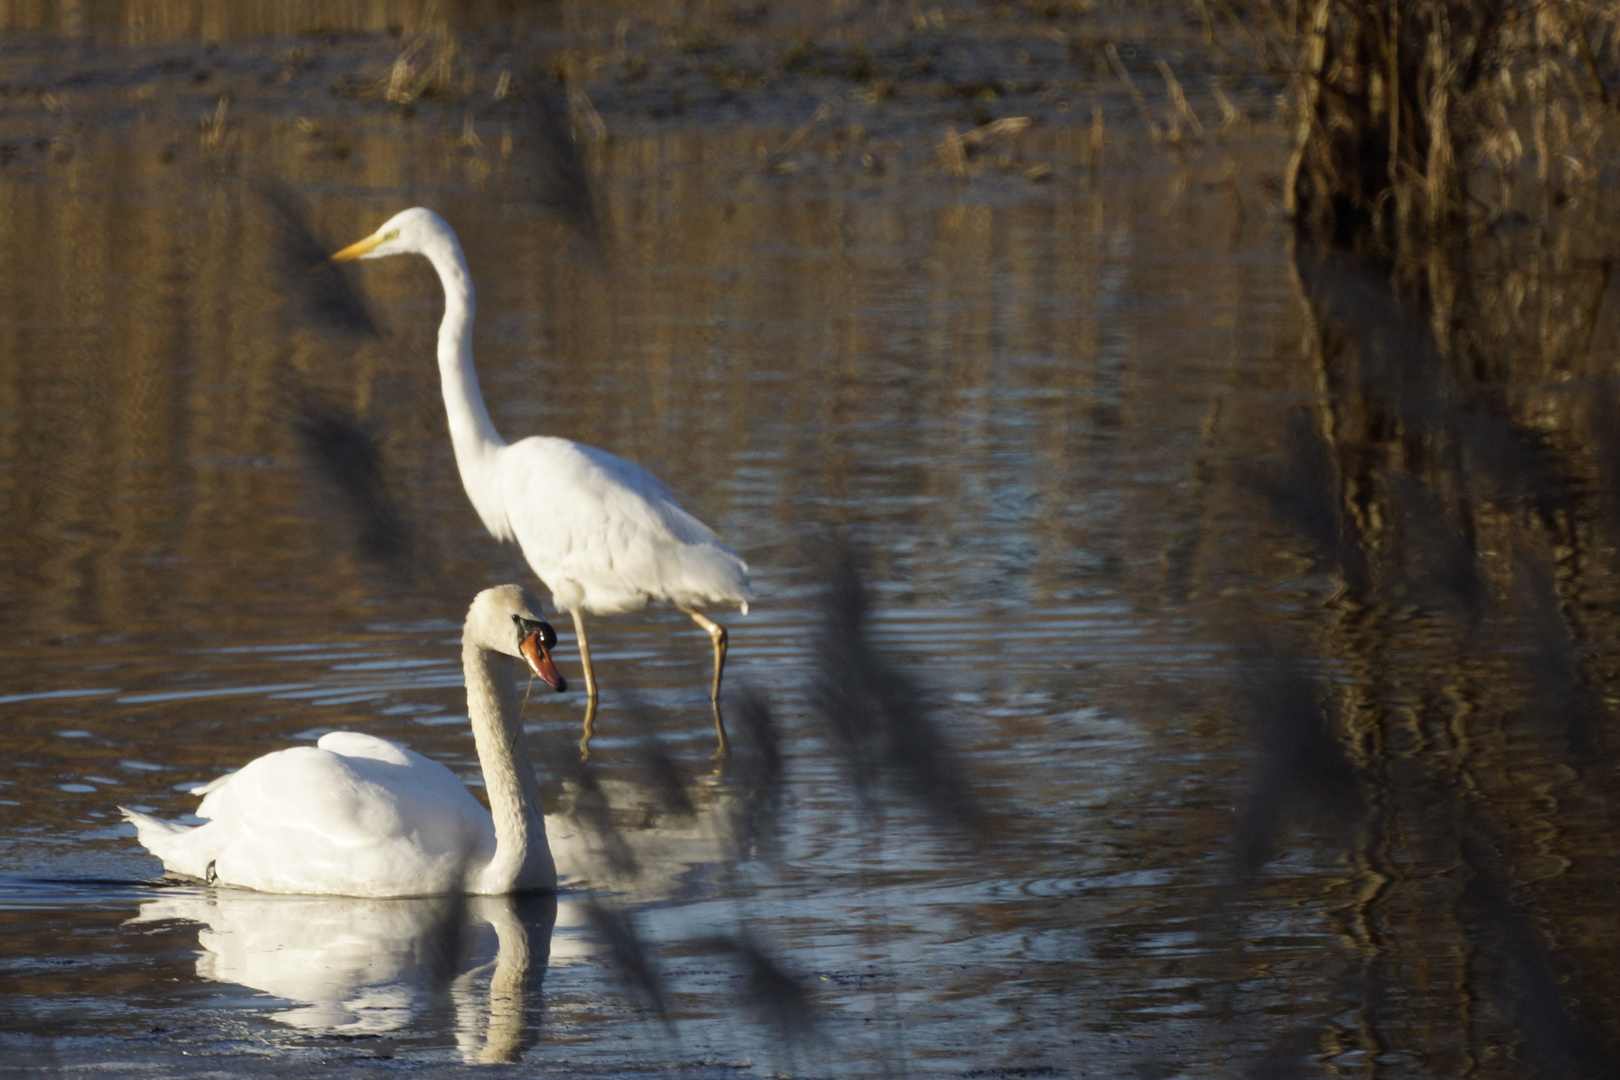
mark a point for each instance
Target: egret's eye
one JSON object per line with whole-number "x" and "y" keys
{"x": 391, "y": 234}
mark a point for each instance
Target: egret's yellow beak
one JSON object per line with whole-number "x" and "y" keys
{"x": 354, "y": 251}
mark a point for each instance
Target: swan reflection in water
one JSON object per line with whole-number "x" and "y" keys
{"x": 374, "y": 967}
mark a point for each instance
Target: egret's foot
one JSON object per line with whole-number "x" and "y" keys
{"x": 723, "y": 749}
{"x": 587, "y": 728}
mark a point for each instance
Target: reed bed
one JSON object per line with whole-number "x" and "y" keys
{"x": 1415, "y": 117}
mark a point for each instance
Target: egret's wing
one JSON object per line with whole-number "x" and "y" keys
{"x": 608, "y": 533}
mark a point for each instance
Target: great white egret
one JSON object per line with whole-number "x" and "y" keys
{"x": 602, "y": 533}
{"x": 355, "y": 815}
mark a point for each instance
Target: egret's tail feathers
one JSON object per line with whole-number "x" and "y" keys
{"x": 706, "y": 577}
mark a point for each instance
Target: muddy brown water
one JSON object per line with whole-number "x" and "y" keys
{"x": 1016, "y": 373}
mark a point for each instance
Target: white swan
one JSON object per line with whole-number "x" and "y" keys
{"x": 355, "y": 815}
{"x": 603, "y": 534}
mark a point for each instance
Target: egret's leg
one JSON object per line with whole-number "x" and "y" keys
{"x": 590, "y": 685}
{"x": 717, "y": 634}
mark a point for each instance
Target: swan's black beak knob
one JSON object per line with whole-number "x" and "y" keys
{"x": 535, "y": 641}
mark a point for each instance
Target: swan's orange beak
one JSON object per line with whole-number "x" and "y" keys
{"x": 539, "y": 657}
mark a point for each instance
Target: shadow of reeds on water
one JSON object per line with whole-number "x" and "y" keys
{"x": 893, "y": 756}
{"x": 876, "y": 718}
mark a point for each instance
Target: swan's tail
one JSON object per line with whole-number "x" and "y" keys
{"x": 168, "y": 842}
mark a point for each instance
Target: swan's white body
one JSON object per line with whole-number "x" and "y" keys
{"x": 602, "y": 533}
{"x": 355, "y": 815}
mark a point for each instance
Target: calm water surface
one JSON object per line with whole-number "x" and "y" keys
{"x": 1012, "y": 395}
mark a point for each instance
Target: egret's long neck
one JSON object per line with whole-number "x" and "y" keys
{"x": 472, "y": 433}
{"x": 522, "y": 859}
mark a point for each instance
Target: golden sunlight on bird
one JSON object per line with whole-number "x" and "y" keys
{"x": 604, "y": 535}
{"x": 355, "y": 815}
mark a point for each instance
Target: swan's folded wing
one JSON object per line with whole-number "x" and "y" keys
{"x": 354, "y": 744}
{"x": 213, "y": 785}
{"x": 310, "y": 820}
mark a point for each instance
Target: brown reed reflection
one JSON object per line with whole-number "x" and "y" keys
{"x": 135, "y": 22}
{"x": 1460, "y": 664}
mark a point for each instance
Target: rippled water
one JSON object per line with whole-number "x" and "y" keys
{"x": 1010, "y": 393}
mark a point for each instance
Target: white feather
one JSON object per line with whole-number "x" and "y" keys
{"x": 603, "y": 534}
{"x": 607, "y": 536}
{"x": 355, "y": 815}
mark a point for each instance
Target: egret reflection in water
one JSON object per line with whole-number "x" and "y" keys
{"x": 359, "y": 967}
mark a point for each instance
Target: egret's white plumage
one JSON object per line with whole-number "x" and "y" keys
{"x": 606, "y": 535}
{"x": 602, "y": 533}
{"x": 355, "y": 815}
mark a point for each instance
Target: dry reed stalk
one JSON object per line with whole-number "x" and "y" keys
{"x": 758, "y": 773}
{"x": 1399, "y": 103}
{"x": 780, "y": 997}
{"x": 1006, "y": 126}
{"x": 348, "y": 461}
{"x": 1178, "y": 99}
{"x": 877, "y": 719}
{"x": 775, "y": 161}
{"x": 1230, "y": 115}
{"x": 562, "y": 180}
{"x": 637, "y": 969}
{"x": 429, "y": 66}
{"x": 952, "y": 155}
{"x": 1137, "y": 97}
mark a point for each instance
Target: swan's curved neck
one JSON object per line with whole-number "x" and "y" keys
{"x": 522, "y": 859}
{"x": 472, "y": 432}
